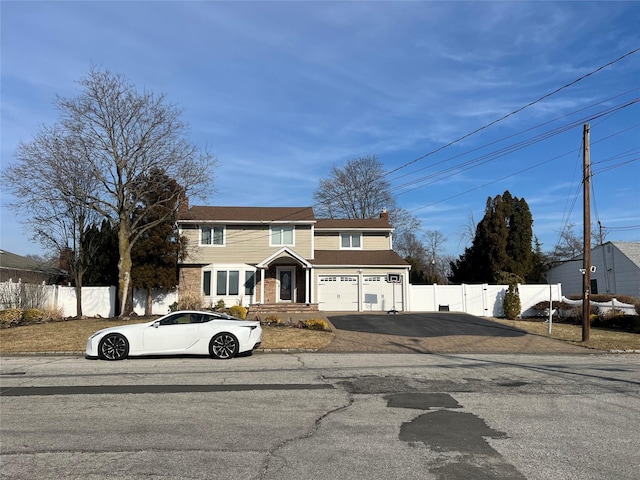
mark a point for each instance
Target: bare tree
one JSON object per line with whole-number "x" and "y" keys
{"x": 360, "y": 190}
{"x": 357, "y": 190}
{"x": 468, "y": 232}
{"x": 115, "y": 135}
{"x": 409, "y": 245}
{"x": 569, "y": 245}
{"x": 405, "y": 240}
{"x": 434, "y": 240}
{"x": 51, "y": 187}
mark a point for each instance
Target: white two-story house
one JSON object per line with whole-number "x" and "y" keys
{"x": 255, "y": 256}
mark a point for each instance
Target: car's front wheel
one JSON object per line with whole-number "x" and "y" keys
{"x": 223, "y": 346}
{"x": 113, "y": 347}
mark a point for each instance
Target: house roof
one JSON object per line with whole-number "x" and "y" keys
{"x": 358, "y": 258}
{"x": 630, "y": 249}
{"x": 13, "y": 261}
{"x": 283, "y": 251}
{"x": 247, "y": 214}
{"x": 349, "y": 223}
{"x": 198, "y": 214}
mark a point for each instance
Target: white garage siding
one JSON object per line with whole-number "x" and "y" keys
{"x": 342, "y": 293}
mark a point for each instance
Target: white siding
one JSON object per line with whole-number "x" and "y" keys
{"x": 615, "y": 273}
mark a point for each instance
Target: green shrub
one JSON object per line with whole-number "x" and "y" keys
{"x": 238, "y": 311}
{"x": 219, "y": 305}
{"x": 317, "y": 324}
{"x": 32, "y": 315}
{"x": 511, "y": 304}
{"x": 10, "y": 316}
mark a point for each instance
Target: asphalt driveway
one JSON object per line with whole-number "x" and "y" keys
{"x": 435, "y": 332}
{"x": 432, "y": 324}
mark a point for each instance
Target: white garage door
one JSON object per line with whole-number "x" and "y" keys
{"x": 338, "y": 293}
{"x": 378, "y": 294}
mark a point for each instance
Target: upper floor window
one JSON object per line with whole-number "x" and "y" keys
{"x": 282, "y": 235}
{"x": 351, "y": 240}
{"x": 212, "y": 235}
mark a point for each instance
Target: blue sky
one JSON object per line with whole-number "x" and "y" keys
{"x": 280, "y": 92}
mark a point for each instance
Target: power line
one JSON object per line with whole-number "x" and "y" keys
{"x": 491, "y": 156}
{"x": 605, "y": 112}
{"x": 518, "y": 110}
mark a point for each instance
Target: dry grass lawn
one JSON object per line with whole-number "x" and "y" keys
{"x": 71, "y": 336}
{"x": 599, "y": 339}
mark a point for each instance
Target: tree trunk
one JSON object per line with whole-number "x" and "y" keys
{"x": 148, "y": 309}
{"x": 78, "y": 299}
{"x": 124, "y": 271}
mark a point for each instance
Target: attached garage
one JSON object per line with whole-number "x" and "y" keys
{"x": 356, "y": 280}
{"x": 338, "y": 293}
{"x": 380, "y": 295}
{"x": 341, "y": 293}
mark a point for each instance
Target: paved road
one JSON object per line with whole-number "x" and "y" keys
{"x": 322, "y": 416}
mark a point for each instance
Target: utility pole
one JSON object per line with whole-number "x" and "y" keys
{"x": 586, "y": 254}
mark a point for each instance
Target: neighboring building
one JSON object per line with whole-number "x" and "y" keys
{"x": 284, "y": 255}
{"x": 16, "y": 268}
{"x": 617, "y": 271}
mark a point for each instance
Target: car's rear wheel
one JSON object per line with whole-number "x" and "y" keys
{"x": 223, "y": 346}
{"x": 113, "y": 347}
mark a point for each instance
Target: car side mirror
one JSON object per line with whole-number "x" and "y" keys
{"x": 156, "y": 324}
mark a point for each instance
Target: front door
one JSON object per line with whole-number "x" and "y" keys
{"x": 286, "y": 284}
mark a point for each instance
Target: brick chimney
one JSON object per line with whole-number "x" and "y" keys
{"x": 184, "y": 206}
{"x": 384, "y": 214}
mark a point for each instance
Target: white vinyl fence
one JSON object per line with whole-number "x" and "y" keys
{"x": 480, "y": 300}
{"x": 604, "y": 307}
{"x": 96, "y": 301}
{"x": 161, "y": 300}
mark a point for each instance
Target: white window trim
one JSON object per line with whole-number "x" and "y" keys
{"x": 281, "y": 226}
{"x": 351, "y": 235}
{"x": 212, "y": 227}
{"x": 230, "y": 299}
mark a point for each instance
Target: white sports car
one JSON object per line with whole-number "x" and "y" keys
{"x": 178, "y": 333}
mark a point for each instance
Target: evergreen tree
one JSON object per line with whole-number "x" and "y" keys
{"x": 103, "y": 268}
{"x": 511, "y": 303}
{"x": 540, "y": 263}
{"x": 519, "y": 224}
{"x": 501, "y": 248}
{"x": 156, "y": 253}
{"x": 417, "y": 275}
